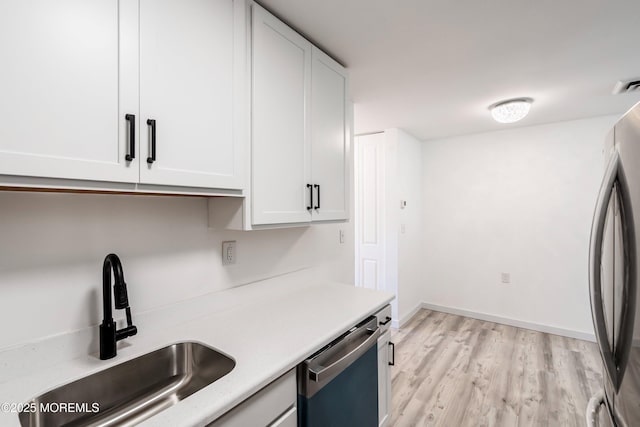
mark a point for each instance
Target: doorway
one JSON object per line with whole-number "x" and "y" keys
{"x": 370, "y": 216}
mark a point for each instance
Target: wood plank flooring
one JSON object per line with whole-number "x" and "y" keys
{"x": 456, "y": 371}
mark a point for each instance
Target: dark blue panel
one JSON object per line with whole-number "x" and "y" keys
{"x": 349, "y": 400}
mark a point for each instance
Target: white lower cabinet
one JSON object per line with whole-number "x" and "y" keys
{"x": 386, "y": 358}
{"x": 274, "y": 405}
{"x": 288, "y": 419}
{"x": 384, "y": 379}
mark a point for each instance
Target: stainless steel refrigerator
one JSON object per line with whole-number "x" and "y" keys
{"x": 613, "y": 278}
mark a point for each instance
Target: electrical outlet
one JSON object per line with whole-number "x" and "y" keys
{"x": 341, "y": 236}
{"x": 229, "y": 252}
{"x": 505, "y": 278}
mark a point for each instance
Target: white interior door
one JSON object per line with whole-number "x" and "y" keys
{"x": 188, "y": 74}
{"x": 329, "y": 138}
{"x": 280, "y": 133}
{"x": 370, "y": 210}
{"x": 69, "y": 75}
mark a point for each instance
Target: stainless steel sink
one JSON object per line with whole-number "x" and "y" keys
{"x": 128, "y": 393}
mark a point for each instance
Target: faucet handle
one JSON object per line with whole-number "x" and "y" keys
{"x": 120, "y": 295}
{"x": 123, "y": 333}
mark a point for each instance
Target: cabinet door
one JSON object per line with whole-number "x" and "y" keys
{"x": 280, "y": 139}
{"x": 384, "y": 380}
{"x": 68, "y": 77}
{"x": 329, "y": 138}
{"x": 191, "y": 75}
{"x": 273, "y": 406}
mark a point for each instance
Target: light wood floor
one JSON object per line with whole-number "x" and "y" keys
{"x": 455, "y": 371}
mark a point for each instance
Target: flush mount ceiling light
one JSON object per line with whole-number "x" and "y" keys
{"x": 511, "y": 110}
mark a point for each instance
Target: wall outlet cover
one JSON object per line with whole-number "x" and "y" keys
{"x": 229, "y": 252}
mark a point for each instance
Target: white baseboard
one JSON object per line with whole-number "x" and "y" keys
{"x": 506, "y": 321}
{"x": 401, "y": 322}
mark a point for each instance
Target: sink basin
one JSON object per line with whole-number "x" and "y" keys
{"x": 129, "y": 393}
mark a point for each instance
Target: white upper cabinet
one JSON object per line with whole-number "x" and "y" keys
{"x": 67, "y": 80}
{"x": 281, "y": 88}
{"x": 191, "y": 56}
{"x": 329, "y": 138}
{"x": 300, "y": 133}
{"x": 83, "y": 80}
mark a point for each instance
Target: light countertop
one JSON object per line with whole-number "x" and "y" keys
{"x": 268, "y": 327}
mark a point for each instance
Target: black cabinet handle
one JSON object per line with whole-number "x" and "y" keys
{"x": 152, "y": 123}
{"x": 131, "y": 118}
{"x": 386, "y": 320}
{"x": 310, "y": 205}
{"x": 392, "y": 362}
{"x": 318, "y": 205}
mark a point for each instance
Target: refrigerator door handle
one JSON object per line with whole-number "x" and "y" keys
{"x": 595, "y": 259}
{"x": 593, "y": 407}
{"x": 628, "y": 310}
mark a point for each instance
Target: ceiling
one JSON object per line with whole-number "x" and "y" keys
{"x": 432, "y": 67}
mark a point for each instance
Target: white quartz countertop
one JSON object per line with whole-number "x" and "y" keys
{"x": 268, "y": 327}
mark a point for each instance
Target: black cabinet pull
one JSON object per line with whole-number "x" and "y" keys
{"x": 386, "y": 320}
{"x": 152, "y": 123}
{"x": 131, "y": 118}
{"x": 392, "y": 362}
{"x": 310, "y": 205}
{"x": 318, "y": 187}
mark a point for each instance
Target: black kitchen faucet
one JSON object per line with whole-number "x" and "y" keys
{"x": 109, "y": 335}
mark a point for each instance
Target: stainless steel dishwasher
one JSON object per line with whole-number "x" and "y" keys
{"x": 338, "y": 385}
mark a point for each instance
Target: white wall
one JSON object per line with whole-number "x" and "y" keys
{"x": 407, "y": 223}
{"x": 52, "y": 247}
{"x": 391, "y": 219}
{"x": 400, "y": 179}
{"x": 517, "y": 201}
